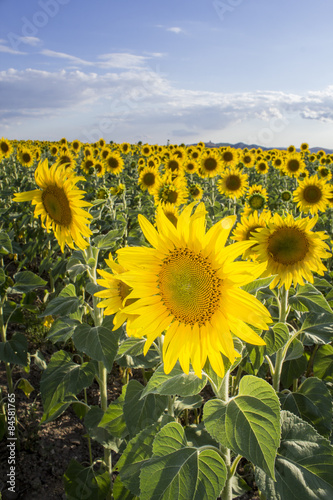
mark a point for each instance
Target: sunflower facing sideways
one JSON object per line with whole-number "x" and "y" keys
{"x": 59, "y": 203}
{"x": 291, "y": 250}
{"x": 188, "y": 285}
{"x": 312, "y": 195}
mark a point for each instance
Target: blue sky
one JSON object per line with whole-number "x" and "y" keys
{"x": 256, "y": 71}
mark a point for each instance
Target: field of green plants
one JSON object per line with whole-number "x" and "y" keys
{"x": 197, "y": 279}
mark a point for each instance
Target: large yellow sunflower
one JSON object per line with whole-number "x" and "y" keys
{"x": 188, "y": 285}
{"x": 59, "y": 203}
{"x": 115, "y": 295}
{"x": 294, "y": 165}
{"x": 312, "y": 195}
{"x": 233, "y": 183}
{"x": 292, "y": 251}
{"x": 210, "y": 164}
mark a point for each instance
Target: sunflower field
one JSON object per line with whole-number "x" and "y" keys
{"x": 177, "y": 302}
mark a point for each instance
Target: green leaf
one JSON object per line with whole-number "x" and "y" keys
{"x": 258, "y": 284}
{"x": 120, "y": 492}
{"x": 61, "y": 306}
{"x": 252, "y": 423}
{"x": 276, "y": 337}
{"x": 295, "y": 350}
{"x": 137, "y": 452}
{"x": 26, "y": 281}
{"x": 85, "y": 483}
{"x": 108, "y": 240}
{"x": 176, "y": 382}
{"x": 323, "y": 363}
{"x": 100, "y": 433}
{"x": 179, "y": 471}
{"x": 130, "y": 354}
{"x": 15, "y": 350}
{"x": 5, "y": 244}
{"x": 99, "y": 343}
{"x": 214, "y": 415}
{"x": 318, "y": 328}
{"x": 292, "y": 370}
{"x": 2, "y": 276}
{"x": 139, "y": 411}
{"x": 312, "y": 402}
{"x": 308, "y": 298}
{"x": 187, "y": 403}
{"x": 26, "y": 387}
{"x": 303, "y": 466}
{"x": 62, "y": 329}
{"x": 63, "y": 378}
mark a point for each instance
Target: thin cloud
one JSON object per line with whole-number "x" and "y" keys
{"x": 176, "y": 29}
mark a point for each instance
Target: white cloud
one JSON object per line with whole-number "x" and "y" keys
{"x": 138, "y": 100}
{"x": 175, "y": 29}
{"x": 63, "y": 55}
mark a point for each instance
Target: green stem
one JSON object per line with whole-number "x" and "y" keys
{"x": 281, "y": 354}
{"x": 3, "y": 339}
{"x": 223, "y": 394}
{"x": 88, "y": 437}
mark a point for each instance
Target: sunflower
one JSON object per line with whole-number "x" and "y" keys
{"x": 292, "y": 251}
{"x": 125, "y": 147}
{"x": 229, "y": 156}
{"x": 114, "y": 163}
{"x": 170, "y": 191}
{"x": 26, "y": 157}
{"x": 66, "y": 159}
{"x": 171, "y": 212}
{"x": 256, "y": 201}
{"x": 233, "y": 183}
{"x": 76, "y": 146}
{"x": 286, "y": 195}
{"x": 146, "y": 150}
{"x": 87, "y": 166}
{"x": 54, "y": 150}
{"x": 173, "y": 164}
{"x": 247, "y": 227}
{"x": 247, "y": 159}
{"x": 294, "y": 165}
{"x": 261, "y": 166}
{"x": 189, "y": 287}
{"x": 190, "y": 166}
{"x": 209, "y": 164}
{"x": 115, "y": 294}
{"x": 278, "y": 162}
{"x": 258, "y": 188}
{"x": 59, "y": 203}
{"x": 291, "y": 149}
{"x": 304, "y": 147}
{"x": 99, "y": 168}
{"x": 324, "y": 173}
{"x": 148, "y": 179}
{"x": 5, "y": 148}
{"x": 312, "y": 195}
{"x": 195, "y": 191}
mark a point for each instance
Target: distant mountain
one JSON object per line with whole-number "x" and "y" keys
{"x": 242, "y": 145}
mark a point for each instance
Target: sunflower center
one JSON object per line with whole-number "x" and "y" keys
{"x": 4, "y": 147}
{"x": 57, "y": 206}
{"x": 293, "y": 165}
{"x": 227, "y": 156}
{"x": 247, "y": 159}
{"x": 233, "y": 182}
{"x": 173, "y": 165}
{"x": 189, "y": 286}
{"x": 256, "y": 201}
{"x": 169, "y": 195}
{"x": 112, "y": 163}
{"x": 312, "y": 194}
{"x": 26, "y": 157}
{"x": 149, "y": 179}
{"x": 288, "y": 245}
{"x": 210, "y": 164}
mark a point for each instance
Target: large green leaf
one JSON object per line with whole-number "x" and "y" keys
{"x": 323, "y": 363}
{"x": 252, "y": 423}
{"x": 85, "y": 483}
{"x": 62, "y": 329}
{"x": 137, "y": 452}
{"x": 15, "y": 350}
{"x": 276, "y": 337}
{"x": 26, "y": 281}
{"x": 258, "y": 284}
{"x": 214, "y": 419}
{"x": 312, "y": 402}
{"x": 292, "y": 370}
{"x": 318, "y": 328}
{"x": 176, "y": 382}
{"x": 130, "y": 354}
{"x": 61, "y": 306}
{"x": 303, "y": 465}
{"x": 140, "y": 412}
{"x": 63, "y": 378}
{"x": 179, "y": 471}
{"x": 308, "y": 298}
{"x": 98, "y": 342}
